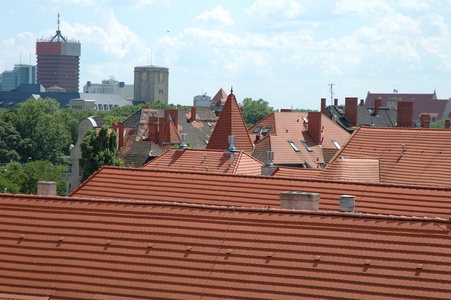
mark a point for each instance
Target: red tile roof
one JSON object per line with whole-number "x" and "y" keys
{"x": 260, "y": 191}
{"x": 171, "y": 134}
{"x": 426, "y": 159}
{"x": 221, "y": 97}
{"x": 203, "y": 160}
{"x": 294, "y": 126}
{"x": 230, "y": 122}
{"x": 94, "y": 249}
{"x": 353, "y": 169}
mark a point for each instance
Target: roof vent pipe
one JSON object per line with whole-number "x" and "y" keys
{"x": 347, "y": 203}
{"x": 232, "y": 141}
{"x": 183, "y": 140}
{"x": 269, "y": 158}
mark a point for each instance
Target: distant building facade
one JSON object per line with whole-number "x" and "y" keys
{"x": 151, "y": 84}
{"x": 9, "y": 80}
{"x": 201, "y": 100}
{"x": 58, "y": 62}
{"x": 110, "y": 86}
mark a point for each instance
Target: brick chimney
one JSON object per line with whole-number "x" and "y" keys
{"x": 281, "y": 110}
{"x": 152, "y": 129}
{"x": 114, "y": 126}
{"x": 47, "y": 188}
{"x": 315, "y": 126}
{"x": 425, "y": 120}
{"x": 323, "y": 105}
{"x": 121, "y": 134}
{"x": 193, "y": 114}
{"x": 174, "y": 116}
{"x": 351, "y": 110}
{"x": 447, "y": 123}
{"x": 362, "y": 102}
{"x": 377, "y": 104}
{"x": 299, "y": 200}
{"x": 335, "y": 102}
{"x": 161, "y": 130}
{"x": 405, "y": 114}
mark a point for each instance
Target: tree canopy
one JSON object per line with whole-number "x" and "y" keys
{"x": 255, "y": 110}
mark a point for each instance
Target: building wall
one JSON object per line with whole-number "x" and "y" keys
{"x": 201, "y": 101}
{"x": 151, "y": 84}
{"x": 9, "y": 80}
{"x": 110, "y": 86}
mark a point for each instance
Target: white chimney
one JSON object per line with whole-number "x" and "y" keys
{"x": 299, "y": 200}
{"x": 347, "y": 203}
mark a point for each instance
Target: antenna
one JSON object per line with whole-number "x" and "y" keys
{"x": 331, "y": 93}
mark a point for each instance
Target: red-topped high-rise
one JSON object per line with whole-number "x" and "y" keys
{"x": 58, "y": 62}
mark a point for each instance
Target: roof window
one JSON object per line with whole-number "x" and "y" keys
{"x": 295, "y": 148}
{"x": 257, "y": 129}
{"x": 266, "y": 130}
{"x": 336, "y": 144}
{"x": 307, "y": 146}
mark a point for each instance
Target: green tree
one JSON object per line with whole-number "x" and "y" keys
{"x": 98, "y": 150}
{"x": 9, "y": 142}
{"x": 254, "y": 110}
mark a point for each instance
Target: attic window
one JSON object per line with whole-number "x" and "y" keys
{"x": 306, "y": 146}
{"x": 295, "y": 148}
{"x": 257, "y": 129}
{"x": 336, "y": 144}
{"x": 266, "y": 130}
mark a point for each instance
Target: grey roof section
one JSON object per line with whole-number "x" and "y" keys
{"x": 151, "y": 67}
{"x": 106, "y": 99}
{"x": 387, "y": 117}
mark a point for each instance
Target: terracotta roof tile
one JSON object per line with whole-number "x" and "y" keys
{"x": 203, "y": 160}
{"x": 426, "y": 159}
{"x": 230, "y": 122}
{"x": 353, "y": 169}
{"x": 258, "y": 191}
{"x": 82, "y": 249}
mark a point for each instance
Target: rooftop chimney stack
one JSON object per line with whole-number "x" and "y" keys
{"x": 425, "y": 120}
{"x": 347, "y": 203}
{"x": 314, "y": 125}
{"x": 174, "y": 116}
{"x": 405, "y": 114}
{"x": 362, "y": 102}
{"x": 377, "y": 104}
{"x": 193, "y": 114}
{"x": 323, "y": 105}
{"x": 47, "y": 188}
{"x": 447, "y": 123}
{"x": 351, "y": 109}
{"x": 121, "y": 134}
{"x": 152, "y": 129}
{"x": 336, "y": 102}
{"x": 299, "y": 200}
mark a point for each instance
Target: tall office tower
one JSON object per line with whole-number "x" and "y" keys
{"x": 151, "y": 84}
{"x": 58, "y": 62}
{"x": 9, "y": 80}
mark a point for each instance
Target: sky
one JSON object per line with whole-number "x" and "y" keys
{"x": 286, "y": 52}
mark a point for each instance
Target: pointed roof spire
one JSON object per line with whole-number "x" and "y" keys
{"x": 231, "y": 89}
{"x": 231, "y": 122}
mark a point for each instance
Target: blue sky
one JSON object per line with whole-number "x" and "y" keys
{"x": 283, "y": 51}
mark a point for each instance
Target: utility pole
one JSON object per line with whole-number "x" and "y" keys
{"x": 331, "y": 93}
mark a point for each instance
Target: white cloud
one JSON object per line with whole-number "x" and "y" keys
{"x": 75, "y": 2}
{"x": 362, "y": 8}
{"x": 218, "y": 15}
{"x": 399, "y": 24}
{"x": 416, "y": 5}
{"x": 286, "y": 8}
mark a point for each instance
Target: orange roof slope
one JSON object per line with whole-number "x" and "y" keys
{"x": 220, "y": 96}
{"x": 83, "y": 249}
{"x": 202, "y": 160}
{"x": 353, "y": 169}
{"x": 425, "y": 160}
{"x": 230, "y": 122}
{"x": 294, "y": 126}
{"x": 260, "y": 191}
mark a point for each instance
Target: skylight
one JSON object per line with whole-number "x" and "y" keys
{"x": 266, "y": 130}
{"x": 257, "y": 129}
{"x": 295, "y": 148}
{"x": 307, "y": 146}
{"x": 336, "y": 144}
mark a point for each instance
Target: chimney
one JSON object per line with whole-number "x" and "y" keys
{"x": 347, "y": 203}
{"x": 152, "y": 129}
{"x": 114, "y": 127}
{"x": 121, "y": 134}
{"x": 314, "y": 125}
{"x": 362, "y": 102}
{"x": 269, "y": 168}
{"x": 323, "y": 105}
{"x": 336, "y": 102}
{"x": 299, "y": 200}
{"x": 447, "y": 123}
{"x": 351, "y": 110}
{"x": 377, "y": 104}
{"x": 281, "y": 110}
{"x": 405, "y": 114}
{"x": 193, "y": 114}
{"x": 161, "y": 130}
{"x": 174, "y": 116}
{"x": 47, "y": 188}
{"x": 425, "y": 120}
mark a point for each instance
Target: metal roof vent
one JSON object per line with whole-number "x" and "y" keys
{"x": 347, "y": 203}
{"x": 269, "y": 158}
{"x": 183, "y": 140}
{"x": 232, "y": 141}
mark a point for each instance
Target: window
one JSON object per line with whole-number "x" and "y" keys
{"x": 306, "y": 146}
{"x": 257, "y": 129}
{"x": 295, "y": 148}
{"x": 336, "y": 144}
{"x": 266, "y": 130}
